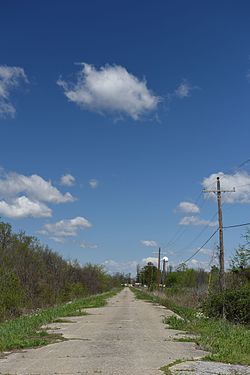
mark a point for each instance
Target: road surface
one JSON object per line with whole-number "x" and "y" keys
{"x": 126, "y": 337}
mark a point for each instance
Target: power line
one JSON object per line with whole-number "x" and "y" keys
{"x": 236, "y": 225}
{"x": 226, "y": 227}
{"x": 200, "y": 248}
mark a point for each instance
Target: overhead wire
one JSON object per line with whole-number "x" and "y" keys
{"x": 180, "y": 232}
{"x": 201, "y": 247}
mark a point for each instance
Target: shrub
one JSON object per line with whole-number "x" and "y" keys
{"x": 11, "y": 295}
{"x": 236, "y": 305}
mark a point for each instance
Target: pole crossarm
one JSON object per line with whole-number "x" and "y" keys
{"x": 218, "y": 191}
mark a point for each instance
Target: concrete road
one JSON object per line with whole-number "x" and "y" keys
{"x": 126, "y": 337}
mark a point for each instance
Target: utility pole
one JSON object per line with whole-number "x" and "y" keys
{"x": 159, "y": 268}
{"x": 218, "y": 192}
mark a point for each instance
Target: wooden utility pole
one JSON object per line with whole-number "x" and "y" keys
{"x": 159, "y": 268}
{"x": 218, "y": 192}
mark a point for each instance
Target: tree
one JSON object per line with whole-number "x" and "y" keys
{"x": 148, "y": 275}
{"x": 241, "y": 259}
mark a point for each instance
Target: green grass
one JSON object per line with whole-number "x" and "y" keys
{"x": 26, "y": 331}
{"x": 225, "y": 341}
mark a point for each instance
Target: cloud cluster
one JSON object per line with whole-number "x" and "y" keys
{"x": 67, "y": 180}
{"x": 149, "y": 243}
{"x": 65, "y": 228}
{"x": 23, "y": 196}
{"x": 239, "y": 180}
{"x": 111, "y": 89}
{"x": 188, "y": 207}
{"x": 10, "y": 78}
{"x": 195, "y": 220}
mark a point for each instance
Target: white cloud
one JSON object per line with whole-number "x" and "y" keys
{"x": 184, "y": 90}
{"x": 10, "y": 78}
{"x": 195, "y": 220}
{"x": 24, "y": 207}
{"x": 153, "y": 260}
{"x": 93, "y": 183}
{"x": 110, "y": 89}
{"x": 65, "y": 228}
{"x": 149, "y": 243}
{"x": 87, "y": 245}
{"x": 67, "y": 180}
{"x": 24, "y": 196}
{"x": 34, "y": 186}
{"x": 126, "y": 267}
{"x": 239, "y": 180}
{"x": 188, "y": 207}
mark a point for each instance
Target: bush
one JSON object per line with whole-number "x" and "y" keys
{"x": 236, "y": 305}
{"x": 11, "y": 295}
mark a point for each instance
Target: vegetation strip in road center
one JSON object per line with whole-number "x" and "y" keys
{"x": 26, "y": 331}
{"x": 227, "y": 342}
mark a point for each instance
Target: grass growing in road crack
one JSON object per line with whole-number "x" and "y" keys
{"x": 26, "y": 331}
{"x": 225, "y": 341}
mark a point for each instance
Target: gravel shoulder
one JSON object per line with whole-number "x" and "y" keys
{"x": 126, "y": 337}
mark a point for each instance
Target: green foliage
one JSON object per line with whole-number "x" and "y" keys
{"x": 148, "y": 275}
{"x": 236, "y": 305}
{"x": 241, "y": 258}
{"x": 189, "y": 278}
{"x": 34, "y": 276}
{"x": 11, "y": 294}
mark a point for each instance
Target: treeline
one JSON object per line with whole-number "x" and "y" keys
{"x": 33, "y": 276}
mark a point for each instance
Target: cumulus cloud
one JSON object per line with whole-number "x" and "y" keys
{"x": 195, "y": 220}
{"x": 149, "y": 243}
{"x": 10, "y": 78}
{"x": 184, "y": 90}
{"x": 239, "y": 180}
{"x": 188, "y": 207}
{"x": 24, "y": 207}
{"x": 24, "y": 196}
{"x": 67, "y": 180}
{"x": 34, "y": 186}
{"x": 93, "y": 183}
{"x": 65, "y": 228}
{"x": 111, "y": 89}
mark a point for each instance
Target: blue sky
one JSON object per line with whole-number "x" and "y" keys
{"x": 114, "y": 115}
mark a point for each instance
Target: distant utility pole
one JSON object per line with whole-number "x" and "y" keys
{"x": 159, "y": 268}
{"x": 218, "y": 192}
